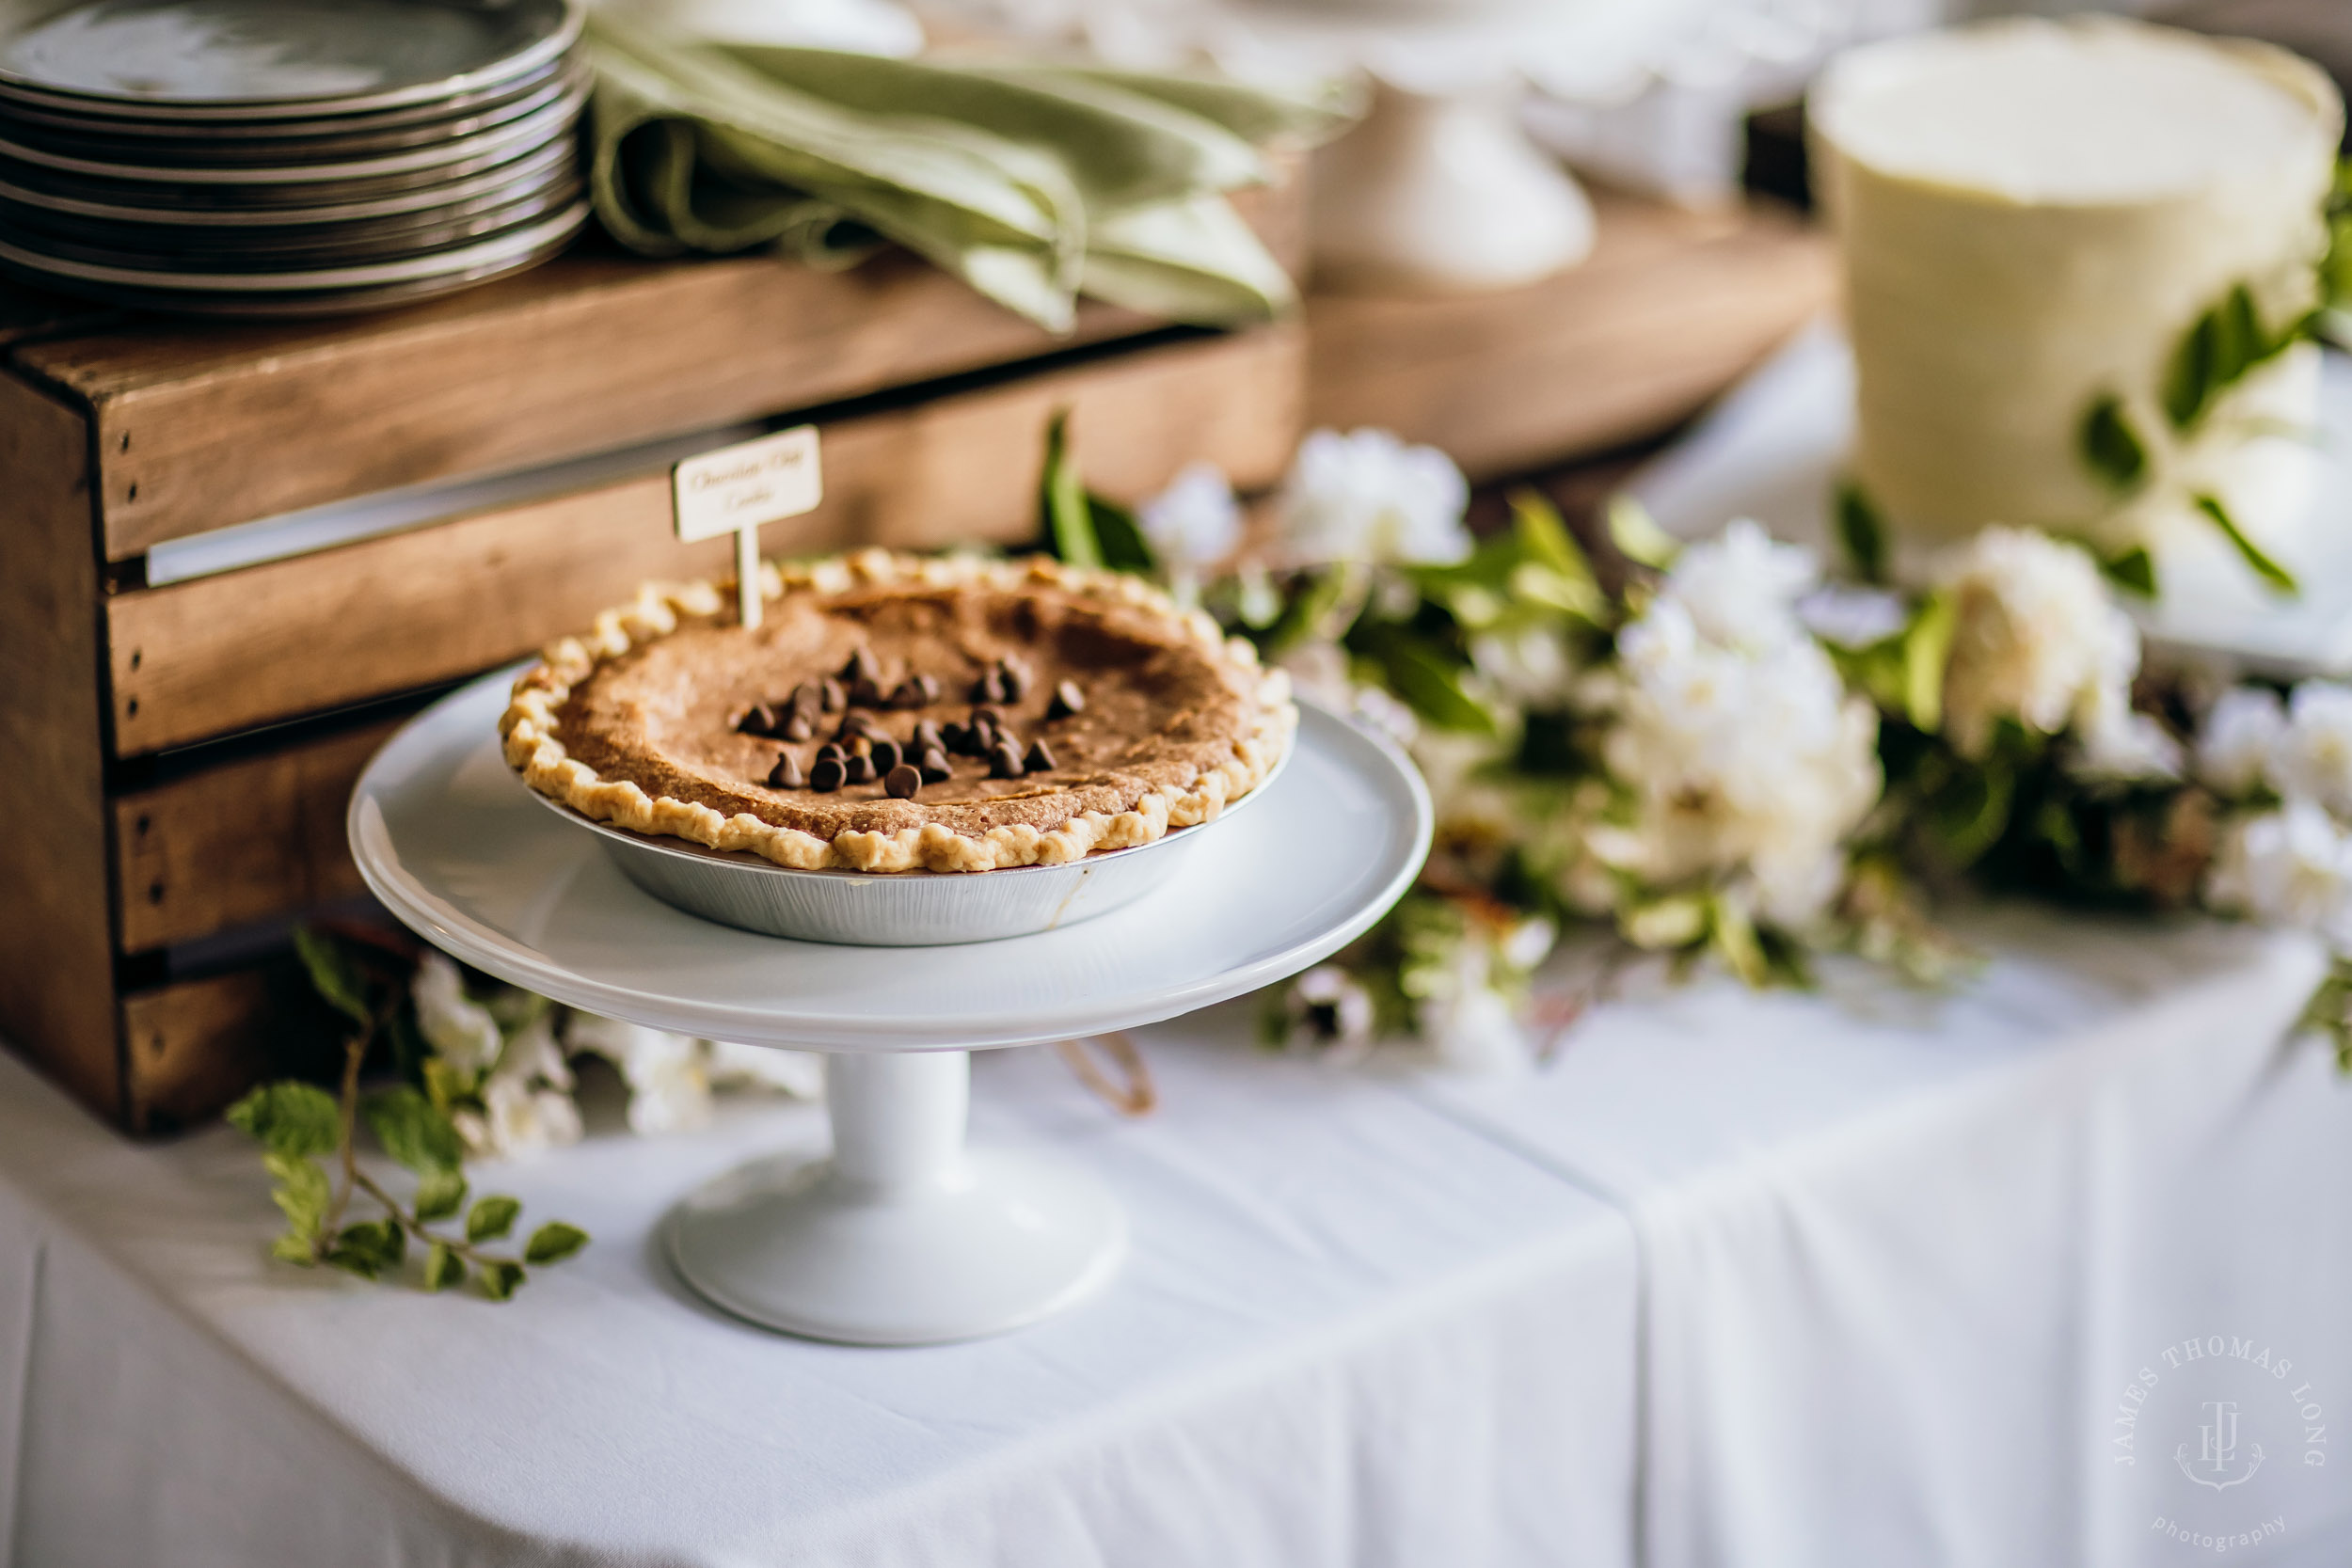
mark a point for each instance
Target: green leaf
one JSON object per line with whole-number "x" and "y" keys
{"x": 1069, "y": 525}
{"x": 1732, "y": 935}
{"x": 290, "y": 1248}
{"x": 499, "y": 1278}
{"x": 302, "y": 1193}
{"x": 2134, "y": 571}
{"x": 1427, "y": 682}
{"x": 492, "y": 1217}
{"x": 1862, "y": 531}
{"x": 1553, "y": 571}
{"x": 367, "y": 1249}
{"x": 1119, "y": 537}
{"x": 2110, "y": 445}
{"x": 1971, "y": 816}
{"x": 334, "y": 974}
{"x": 1926, "y": 649}
{"x": 412, "y": 1131}
{"x": 1635, "y": 532}
{"x": 553, "y": 1241}
{"x": 443, "y": 1267}
{"x": 447, "y": 1086}
{"x": 2252, "y": 554}
{"x": 440, "y": 1195}
{"x": 290, "y": 1118}
{"x": 2218, "y": 350}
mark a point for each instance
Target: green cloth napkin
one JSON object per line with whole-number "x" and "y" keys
{"x": 1033, "y": 182}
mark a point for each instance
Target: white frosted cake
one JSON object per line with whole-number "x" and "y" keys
{"x": 2035, "y": 218}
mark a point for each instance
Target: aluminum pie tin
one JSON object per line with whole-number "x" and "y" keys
{"x": 200, "y": 60}
{"x": 906, "y": 909}
{"x": 35, "y": 188}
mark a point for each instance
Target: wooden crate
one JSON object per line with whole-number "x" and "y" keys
{"x": 1671, "y": 309}
{"x": 180, "y": 752}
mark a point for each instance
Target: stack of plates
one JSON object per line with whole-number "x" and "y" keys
{"x": 286, "y": 157}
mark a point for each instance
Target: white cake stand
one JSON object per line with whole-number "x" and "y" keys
{"x": 903, "y": 1236}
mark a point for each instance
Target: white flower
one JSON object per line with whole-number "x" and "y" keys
{"x": 2038, "y": 638}
{"x": 1739, "y": 588}
{"x": 459, "y": 1029}
{"x": 2314, "y": 758}
{"x": 1526, "y": 944}
{"x": 1530, "y": 667}
{"x": 1328, "y": 1010}
{"x": 2243, "y": 729}
{"x": 1366, "y": 496}
{"x": 1451, "y": 764}
{"x": 668, "y": 1091}
{"x": 1750, "y": 763}
{"x": 797, "y": 1073}
{"x": 1388, "y": 715}
{"x": 517, "y": 1120}
{"x": 1469, "y": 1025}
{"x": 1195, "y": 522}
{"x": 2288, "y": 867}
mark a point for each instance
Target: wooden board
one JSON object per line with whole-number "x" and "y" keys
{"x": 1672, "y": 308}
{"x": 193, "y": 1048}
{"x": 224, "y": 654}
{"x": 202, "y": 424}
{"x": 56, "y": 967}
{"x": 248, "y": 841}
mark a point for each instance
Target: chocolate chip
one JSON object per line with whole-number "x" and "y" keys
{"x": 830, "y": 752}
{"x": 862, "y": 667}
{"x": 786, "y": 774}
{"x": 992, "y": 687}
{"x": 902, "y": 782}
{"x": 859, "y": 771}
{"x": 808, "y": 697}
{"x": 865, "y": 692}
{"x": 860, "y": 744}
{"x": 927, "y": 686}
{"x": 828, "y": 775}
{"x": 1013, "y": 678}
{"x": 906, "y": 695}
{"x": 1004, "y": 762}
{"x": 886, "y": 755}
{"x": 954, "y": 737}
{"x": 1040, "y": 758}
{"x": 927, "y": 738}
{"x": 935, "y": 769}
{"x": 1068, "y": 701}
{"x": 761, "y": 719}
{"x": 832, "y": 697}
{"x": 796, "y": 728}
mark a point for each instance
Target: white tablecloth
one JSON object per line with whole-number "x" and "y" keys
{"x": 1349, "y": 1332}
{"x": 1900, "y": 1258}
{"x": 1904, "y": 1253}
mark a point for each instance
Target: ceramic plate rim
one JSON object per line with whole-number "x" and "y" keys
{"x": 570, "y": 19}
{"x": 495, "y": 952}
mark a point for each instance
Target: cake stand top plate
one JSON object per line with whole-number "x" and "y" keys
{"x": 453, "y": 843}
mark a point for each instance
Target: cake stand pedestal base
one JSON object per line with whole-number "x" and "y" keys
{"x": 901, "y": 1236}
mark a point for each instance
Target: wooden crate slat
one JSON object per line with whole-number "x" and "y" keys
{"x": 57, "y": 965}
{"x": 1672, "y": 308}
{"x": 224, "y": 654}
{"x": 205, "y": 425}
{"x": 241, "y": 843}
{"x": 194, "y": 1047}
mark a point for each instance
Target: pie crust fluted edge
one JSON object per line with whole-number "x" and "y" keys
{"x": 527, "y": 728}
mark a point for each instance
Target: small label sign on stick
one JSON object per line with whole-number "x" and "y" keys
{"x": 735, "y": 489}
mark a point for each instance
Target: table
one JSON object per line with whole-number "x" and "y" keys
{"x": 1846, "y": 1278}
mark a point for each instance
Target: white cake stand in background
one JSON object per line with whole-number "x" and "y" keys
{"x": 903, "y": 1236}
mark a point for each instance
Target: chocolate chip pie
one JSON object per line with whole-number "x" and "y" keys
{"x": 902, "y": 713}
